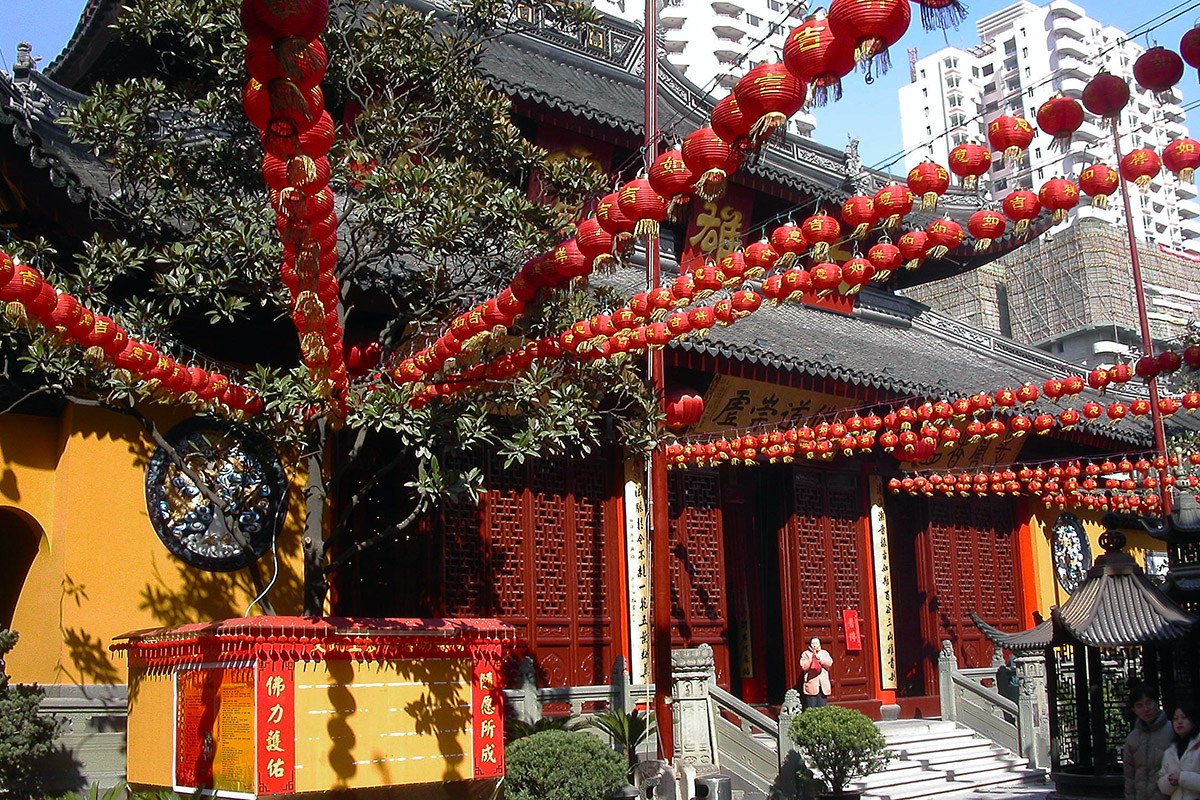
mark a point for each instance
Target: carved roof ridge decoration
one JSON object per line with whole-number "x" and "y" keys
{"x": 1115, "y": 606}
{"x": 30, "y": 106}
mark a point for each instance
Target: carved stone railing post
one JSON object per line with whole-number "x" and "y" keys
{"x": 788, "y": 784}
{"x": 530, "y": 710}
{"x": 947, "y": 665}
{"x": 622, "y": 699}
{"x": 1033, "y": 707}
{"x": 693, "y": 670}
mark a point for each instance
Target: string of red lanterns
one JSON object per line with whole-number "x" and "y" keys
{"x": 28, "y": 297}
{"x": 283, "y": 99}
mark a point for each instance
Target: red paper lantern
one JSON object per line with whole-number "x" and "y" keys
{"x": 1169, "y": 361}
{"x": 1105, "y": 95}
{"x": 885, "y": 257}
{"x": 733, "y": 267}
{"x": 280, "y": 99}
{"x": 671, "y": 178}
{"x": 913, "y": 247}
{"x": 300, "y": 60}
{"x": 1120, "y": 373}
{"x": 969, "y": 161}
{"x": 595, "y": 243}
{"x": 928, "y": 180}
{"x": 1060, "y": 196}
{"x": 1098, "y": 181}
{"x": 683, "y": 407}
{"x": 711, "y": 159}
{"x": 638, "y": 201}
{"x": 821, "y": 231}
{"x": 283, "y": 140}
{"x": 826, "y": 277}
{"x": 985, "y": 226}
{"x": 814, "y": 55}
{"x": 760, "y": 258}
{"x": 1157, "y": 70}
{"x": 942, "y": 236}
{"x": 1021, "y": 206}
{"x": 1010, "y": 136}
{"x": 941, "y": 14}
{"x": 273, "y": 19}
{"x": 1060, "y": 117}
{"x": 873, "y": 26}
{"x": 859, "y": 211}
{"x": 567, "y": 262}
{"x": 1140, "y": 166}
{"x": 892, "y": 202}
{"x": 796, "y": 283}
{"x": 1147, "y": 368}
{"x": 856, "y": 273}
{"x": 1182, "y": 156}
{"x": 614, "y": 220}
{"x": 728, "y": 121}
{"x": 303, "y": 173}
{"x": 1189, "y": 47}
{"x": 788, "y": 241}
{"x": 769, "y": 94}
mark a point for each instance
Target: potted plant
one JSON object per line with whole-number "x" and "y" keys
{"x": 839, "y": 745}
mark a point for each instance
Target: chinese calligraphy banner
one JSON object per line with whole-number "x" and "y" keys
{"x": 276, "y": 727}
{"x": 733, "y": 403}
{"x": 487, "y": 705}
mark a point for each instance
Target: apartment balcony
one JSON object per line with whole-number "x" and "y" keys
{"x": 1070, "y": 66}
{"x": 1185, "y": 191}
{"x": 1090, "y": 132}
{"x": 726, "y": 56}
{"x": 728, "y": 33}
{"x": 671, "y": 23}
{"x": 727, "y": 9}
{"x": 728, "y": 79}
{"x": 1190, "y": 228}
{"x": 675, "y": 45}
{"x": 1065, "y": 10}
{"x": 1069, "y": 46}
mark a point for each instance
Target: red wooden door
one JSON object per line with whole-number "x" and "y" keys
{"x": 825, "y": 566}
{"x": 540, "y": 553}
{"x": 967, "y": 561}
{"x": 698, "y": 598}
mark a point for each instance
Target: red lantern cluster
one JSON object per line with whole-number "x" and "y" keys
{"x": 283, "y": 99}
{"x": 29, "y": 298}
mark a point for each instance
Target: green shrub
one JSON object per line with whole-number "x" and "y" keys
{"x": 25, "y": 735}
{"x": 563, "y": 765}
{"x": 839, "y": 743}
{"x": 517, "y": 728}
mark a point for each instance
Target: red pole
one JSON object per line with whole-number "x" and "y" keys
{"x": 660, "y": 537}
{"x": 1160, "y": 439}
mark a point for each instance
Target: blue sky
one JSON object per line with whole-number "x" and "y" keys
{"x": 870, "y": 113}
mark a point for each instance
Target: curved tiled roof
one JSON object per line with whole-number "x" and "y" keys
{"x": 1115, "y": 606}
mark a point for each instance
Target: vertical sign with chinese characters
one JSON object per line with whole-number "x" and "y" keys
{"x": 487, "y": 713}
{"x": 716, "y": 228}
{"x": 637, "y": 558}
{"x": 883, "y": 585}
{"x": 276, "y": 727}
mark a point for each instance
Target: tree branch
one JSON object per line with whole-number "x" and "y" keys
{"x": 387, "y": 533}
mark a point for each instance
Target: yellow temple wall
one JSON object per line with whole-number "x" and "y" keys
{"x": 77, "y": 484}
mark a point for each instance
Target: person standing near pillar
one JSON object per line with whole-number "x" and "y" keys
{"x": 814, "y": 674}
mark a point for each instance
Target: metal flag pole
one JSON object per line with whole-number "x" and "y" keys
{"x": 1160, "y": 439}
{"x": 660, "y": 535}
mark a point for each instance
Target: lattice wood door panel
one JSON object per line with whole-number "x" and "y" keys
{"x": 825, "y": 567}
{"x": 699, "y": 605}
{"x": 541, "y": 552}
{"x": 971, "y": 549}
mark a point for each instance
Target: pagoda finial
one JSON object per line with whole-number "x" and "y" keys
{"x": 26, "y": 61}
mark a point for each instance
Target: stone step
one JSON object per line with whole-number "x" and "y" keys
{"x": 960, "y": 749}
{"x": 978, "y": 766}
{"x": 900, "y": 738}
{"x": 910, "y": 773}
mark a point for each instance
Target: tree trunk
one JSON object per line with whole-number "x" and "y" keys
{"x": 315, "y": 586}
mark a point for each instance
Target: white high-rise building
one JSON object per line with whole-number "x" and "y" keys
{"x": 715, "y": 42}
{"x": 1026, "y": 55}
